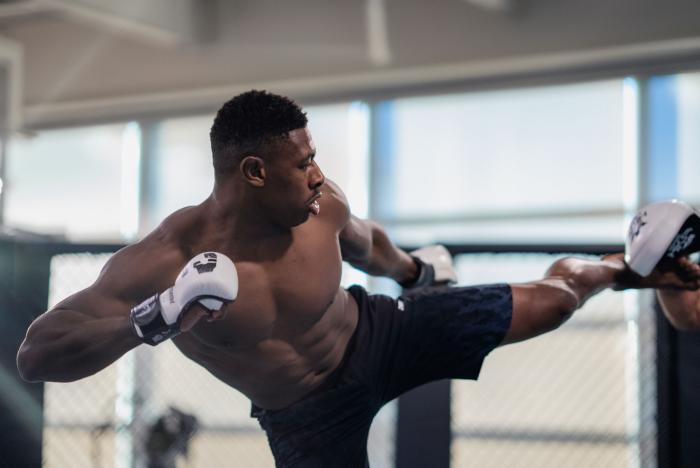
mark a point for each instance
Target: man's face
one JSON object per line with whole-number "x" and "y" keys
{"x": 293, "y": 180}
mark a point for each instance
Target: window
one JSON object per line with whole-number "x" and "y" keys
{"x": 539, "y": 164}
{"x": 688, "y": 102}
{"x": 67, "y": 182}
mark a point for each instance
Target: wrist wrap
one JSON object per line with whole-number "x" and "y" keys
{"x": 148, "y": 323}
{"x": 426, "y": 275}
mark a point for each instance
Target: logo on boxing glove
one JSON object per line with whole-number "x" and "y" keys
{"x": 206, "y": 267}
{"x": 681, "y": 242}
{"x": 636, "y": 225}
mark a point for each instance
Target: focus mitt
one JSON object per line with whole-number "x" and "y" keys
{"x": 664, "y": 230}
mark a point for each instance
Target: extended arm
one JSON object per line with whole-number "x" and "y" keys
{"x": 90, "y": 329}
{"x": 138, "y": 297}
{"x": 365, "y": 245}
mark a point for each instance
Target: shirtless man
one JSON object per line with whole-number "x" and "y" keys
{"x": 247, "y": 285}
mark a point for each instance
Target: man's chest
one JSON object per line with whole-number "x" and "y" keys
{"x": 285, "y": 294}
{"x": 303, "y": 282}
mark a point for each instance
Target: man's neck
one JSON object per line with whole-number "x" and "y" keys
{"x": 236, "y": 214}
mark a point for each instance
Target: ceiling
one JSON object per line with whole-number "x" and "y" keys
{"x": 81, "y": 60}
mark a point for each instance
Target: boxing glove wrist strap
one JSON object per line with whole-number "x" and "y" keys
{"x": 149, "y": 324}
{"x": 426, "y": 275}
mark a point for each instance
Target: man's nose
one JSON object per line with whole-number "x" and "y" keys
{"x": 317, "y": 178}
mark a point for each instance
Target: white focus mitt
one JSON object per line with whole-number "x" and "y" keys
{"x": 668, "y": 229}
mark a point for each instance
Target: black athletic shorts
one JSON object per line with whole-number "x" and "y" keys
{"x": 398, "y": 345}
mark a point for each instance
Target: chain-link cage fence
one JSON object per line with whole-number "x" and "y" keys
{"x": 577, "y": 397}
{"x": 155, "y": 408}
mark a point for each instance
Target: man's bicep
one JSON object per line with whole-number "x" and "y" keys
{"x": 356, "y": 240}
{"x": 130, "y": 276}
{"x": 538, "y": 307}
{"x": 113, "y": 293}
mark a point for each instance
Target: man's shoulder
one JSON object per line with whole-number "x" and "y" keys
{"x": 333, "y": 189}
{"x": 176, "y": 230}
{"x": 335, "y": 205}
{"x": 161, "y": 253}
{"x": 179, "y": 223}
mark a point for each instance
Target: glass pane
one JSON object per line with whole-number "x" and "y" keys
{"x": 582, "y": 229}
{"x": 688, "y": 137}
{"x": 340, "y": 133}
{"x": 66, "y": 182}
{"x": 181, "y": 171}
{"x": 519, "y": 154}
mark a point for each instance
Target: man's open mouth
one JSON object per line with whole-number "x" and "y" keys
{"x": 314, "y": 205}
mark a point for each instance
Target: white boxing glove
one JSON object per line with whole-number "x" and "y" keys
{"x": 667, "y": 229}
{"x": 210, "y": 278}
{"x": 434, "y": 267}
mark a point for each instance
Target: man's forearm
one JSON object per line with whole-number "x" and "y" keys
{"x": 65, "y": 348}
{"x": 682, "y": 308}
{"x": 384, "y": 258}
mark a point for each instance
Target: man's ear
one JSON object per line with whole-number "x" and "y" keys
{"x": 253, "y": 170}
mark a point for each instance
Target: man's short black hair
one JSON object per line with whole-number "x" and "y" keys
{"x": 247, "y": 122}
